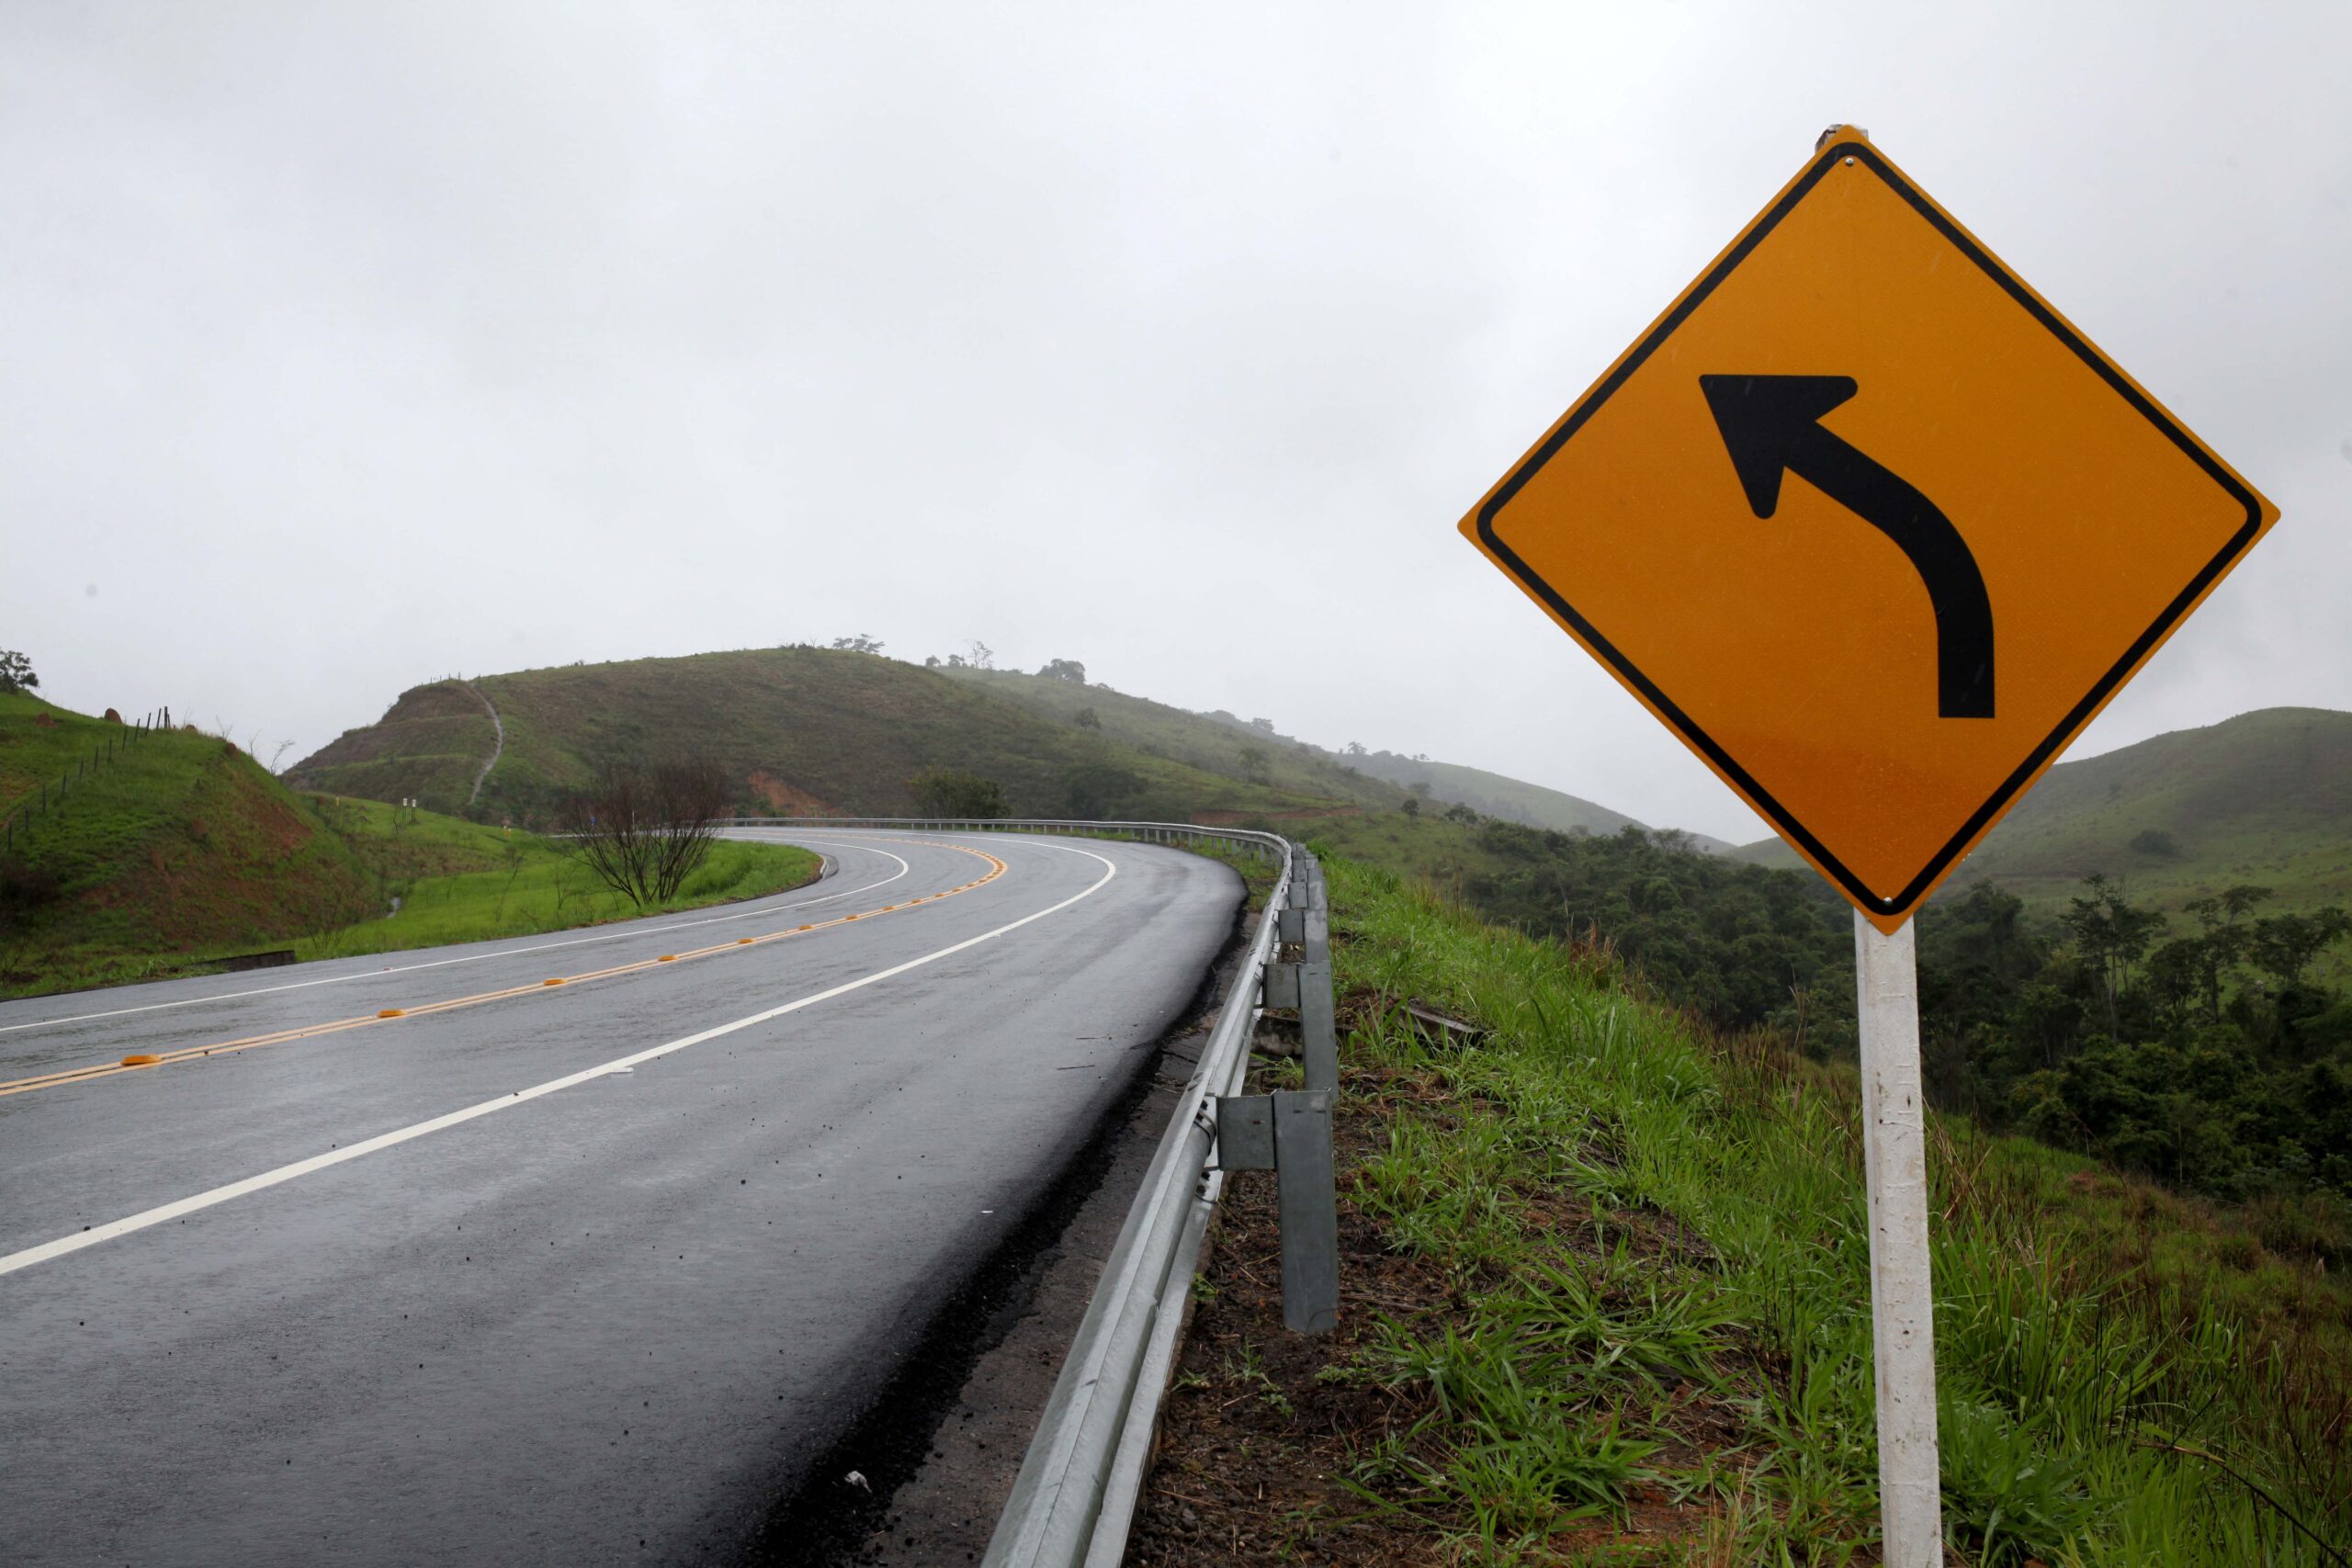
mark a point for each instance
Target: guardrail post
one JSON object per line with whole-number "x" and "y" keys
{"x": 1289, "y": 1132}
{"x": 1310, "y": 1219}
{"x": 1318, "y": 1030}
{"x": 1318, "y": 1022}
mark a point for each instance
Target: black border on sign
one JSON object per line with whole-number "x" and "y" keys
{"x": 1690, "y": 732}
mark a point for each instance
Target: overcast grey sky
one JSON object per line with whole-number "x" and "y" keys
{"x": 348, "y": 347}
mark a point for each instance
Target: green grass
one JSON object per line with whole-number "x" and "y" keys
{"x": 1660, "y": 1261}
{"x": 529, "y": 886}
{"x": 1425, "y": 847}
{"x": 40, "y": 741}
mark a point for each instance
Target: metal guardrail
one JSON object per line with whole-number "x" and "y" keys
{"x": 1075, "y": 1496}
{"x": 1261, "y": 846}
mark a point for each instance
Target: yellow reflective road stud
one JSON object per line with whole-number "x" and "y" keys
{"x": 1869, "y": 526}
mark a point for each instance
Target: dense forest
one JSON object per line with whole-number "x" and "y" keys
{"x": 2200, "y": 1051}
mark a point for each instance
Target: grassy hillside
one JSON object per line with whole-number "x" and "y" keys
{"x": 1226, "y": 743}
{"x": 429, "y": 749}
{"x": 796, "y": 728}
{"x": 180, "y": 850}
{"x": 1605, "y": 1300}
{"x": 1227, "y": 746}
{"x": 182, "y": 843}
{"x": 2264, "y": 798}
{"x": 1458, "y": 856}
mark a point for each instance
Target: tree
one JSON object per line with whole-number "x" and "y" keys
{"x": 983, "y": 657}
{"x": 2111, "y": 936}
{"x": 16, "y": 671}
{"x": 1087, "y": 718}
{"x": 644, "y": 829}
{"x": 858, "y": 644}
{"x": 1253, "y": 764}
{"x": 2284, "y": 946}
{"x": 1263, "y": 725}
{"x": 1064, "y": 670}
{"x": 2207, "y": 959}
{"x": 1096, "y": 790}
{"x": 1353, "y": 749}
{"x": 953, "y": 792}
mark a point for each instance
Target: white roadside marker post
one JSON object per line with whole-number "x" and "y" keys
{"x": 1894, "y": 1164}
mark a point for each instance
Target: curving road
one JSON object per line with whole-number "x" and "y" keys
{"x": 578, "y": 1273}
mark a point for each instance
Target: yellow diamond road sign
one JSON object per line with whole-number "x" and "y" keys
{"x": 1869, "y": 526}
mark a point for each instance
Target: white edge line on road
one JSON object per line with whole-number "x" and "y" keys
{"x": 765, "y": 908}
{"x": 30, "y": 1256}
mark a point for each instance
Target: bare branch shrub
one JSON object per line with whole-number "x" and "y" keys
{"x": 644, "y": 829}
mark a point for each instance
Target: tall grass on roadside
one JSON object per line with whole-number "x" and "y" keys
{"x": 1661, "y": 1239}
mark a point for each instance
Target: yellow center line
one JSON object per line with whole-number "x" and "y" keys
{"x": 142, "y": 1062}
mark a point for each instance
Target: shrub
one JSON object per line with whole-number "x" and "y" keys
{"x": 953, "y": 792}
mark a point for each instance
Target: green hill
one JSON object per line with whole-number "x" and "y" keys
{"x": 816, "y": 731}
{"x": 798, "y": 729}
{"x": 176, "y": 844}
{"x": 429, "y": 747}
{"x": 174, "y": 849}
{"x": 2263, "y": 799}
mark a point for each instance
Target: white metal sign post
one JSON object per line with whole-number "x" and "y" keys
{"x": 1895, "y": 1166}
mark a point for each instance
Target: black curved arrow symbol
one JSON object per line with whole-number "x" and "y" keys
{"x": 1772, "y": 424}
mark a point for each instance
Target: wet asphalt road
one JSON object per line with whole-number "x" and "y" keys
{"x": 612, "y": 1321}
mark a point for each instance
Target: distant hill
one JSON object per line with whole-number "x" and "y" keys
{"x": 1212, "y": 743}
{"x": 813, "y": 730}
{"x": 799, "y": 730}
{"x": 178, "y": 842}
{"x": 1227, "y": 743}
{"x": 1514, "y": 800}
{"x": 2263, "y": 799}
